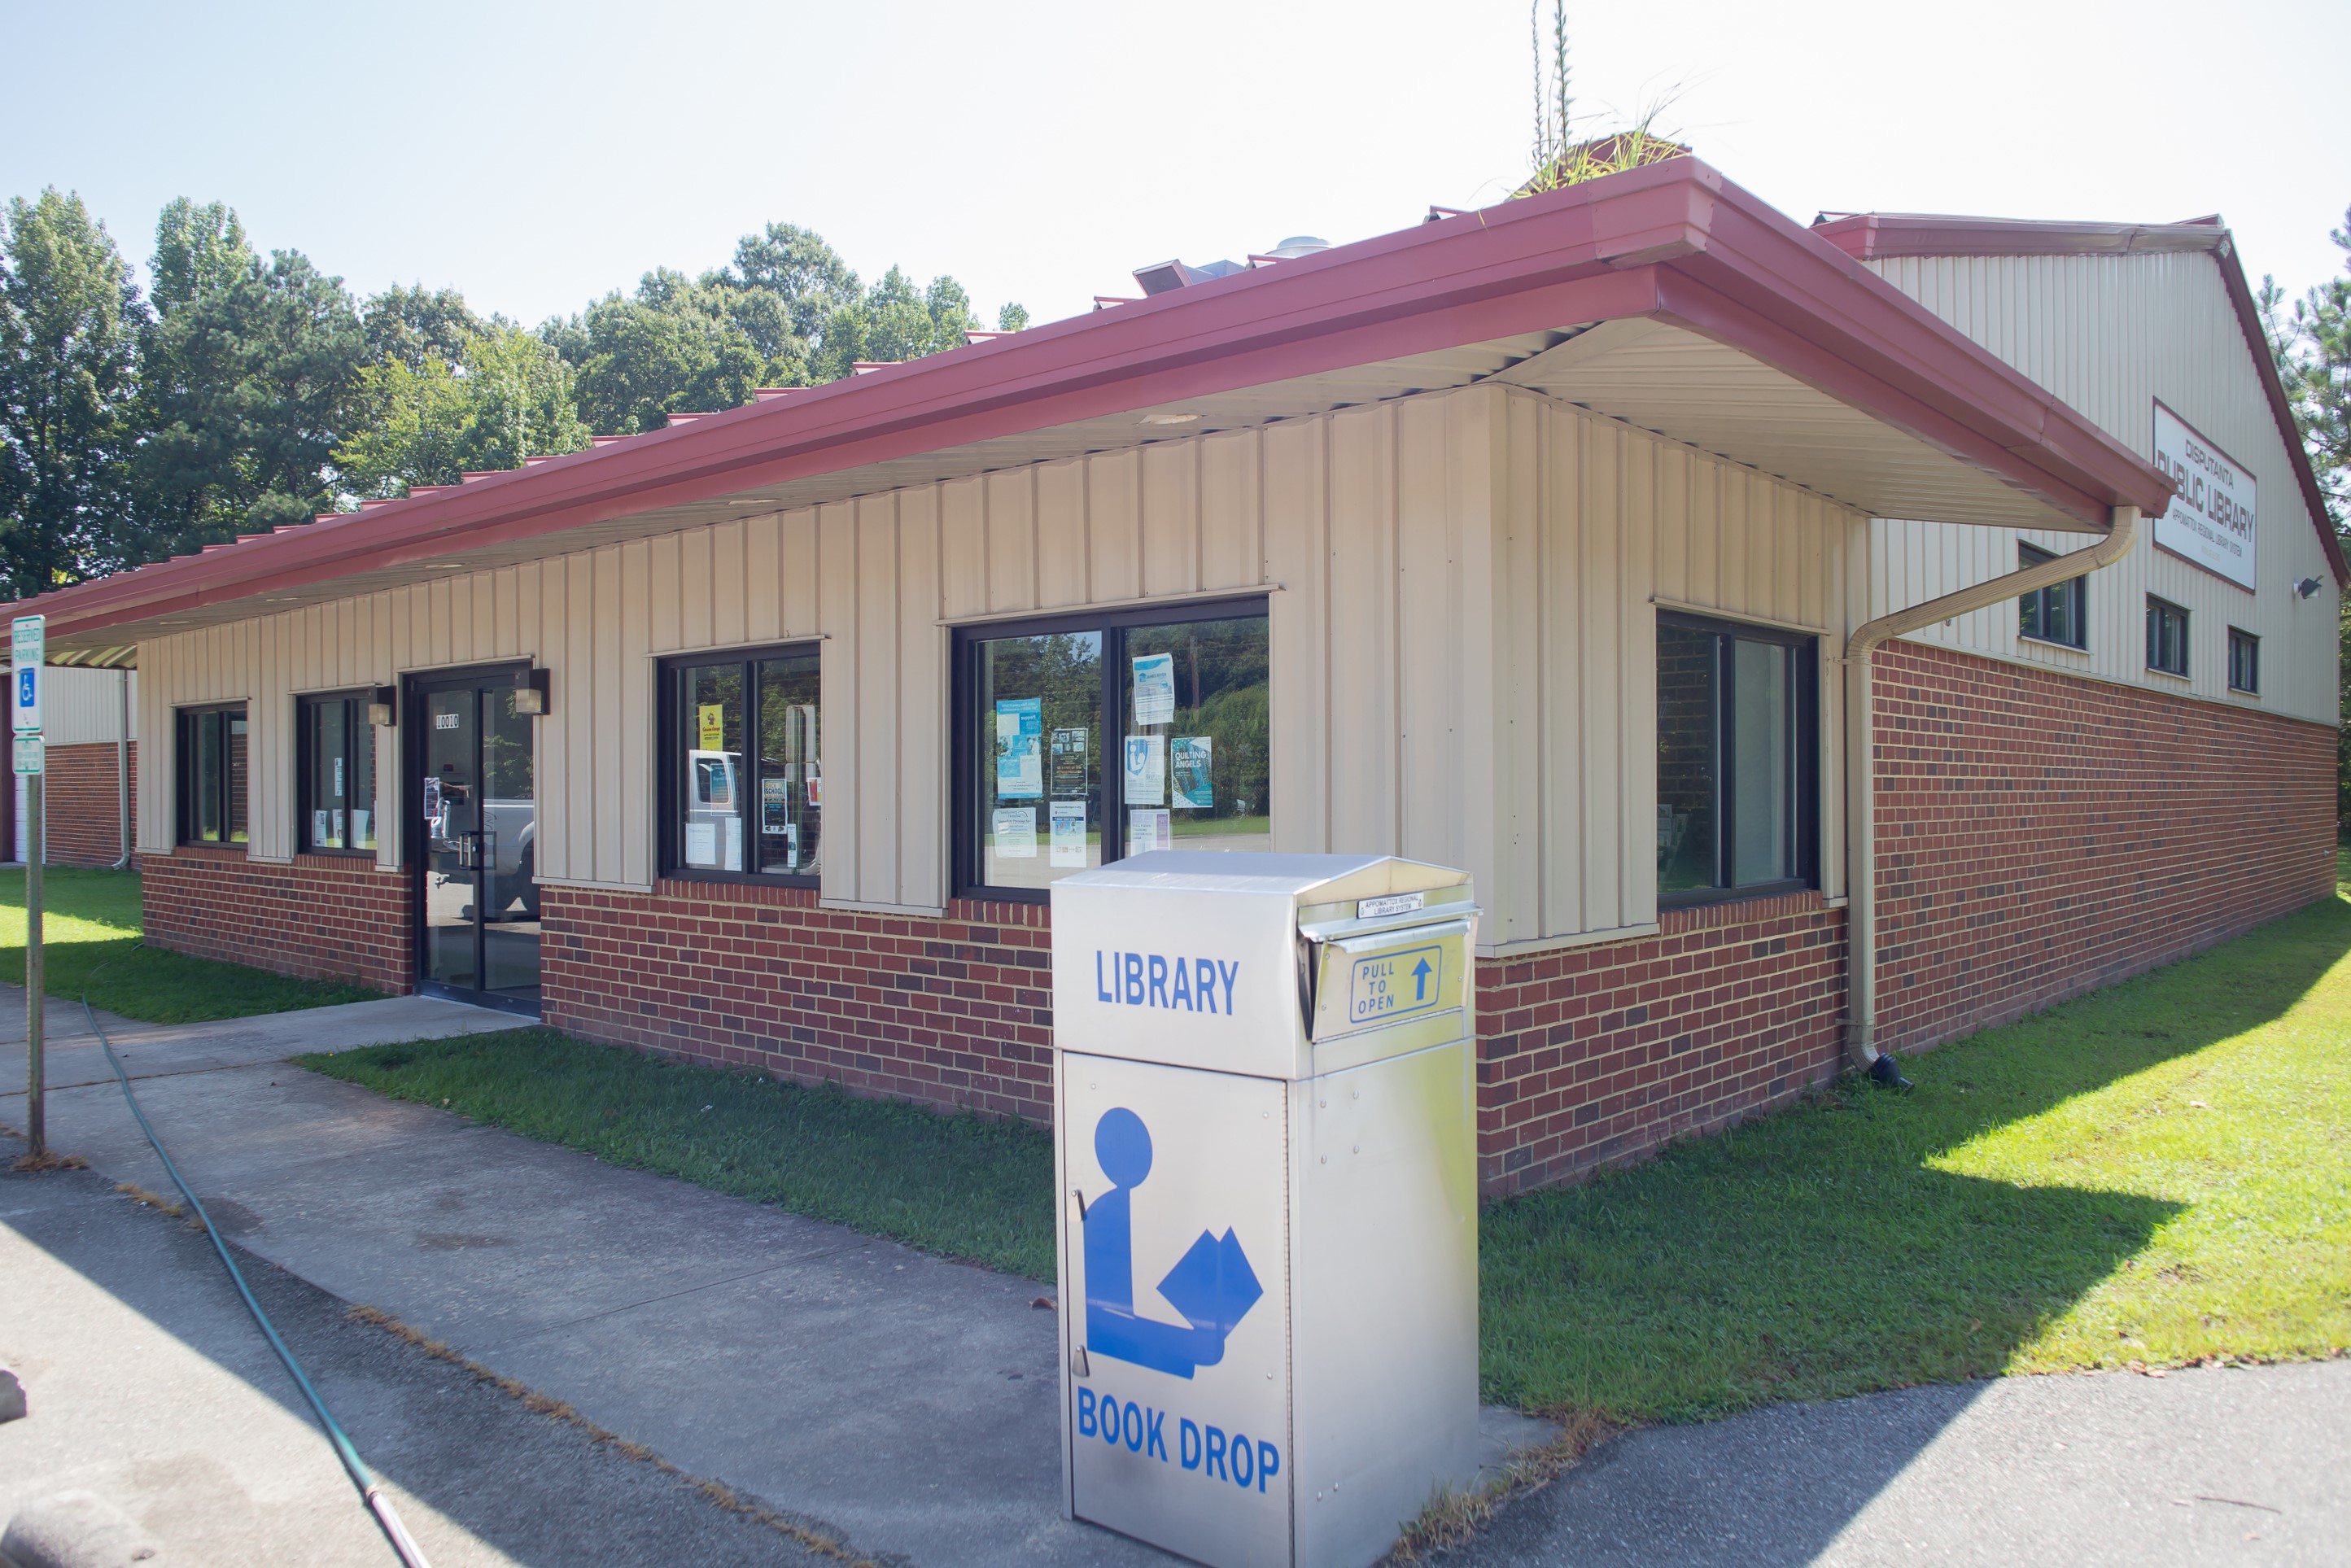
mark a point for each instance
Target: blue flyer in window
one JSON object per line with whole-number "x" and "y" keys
{"x": 1187, "y": 760}
{"x": 1020, "y": 748}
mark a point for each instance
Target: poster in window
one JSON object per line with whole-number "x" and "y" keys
{"x": 775, "y": 806}
{"x": 318, "y": 827}
{"x": 1020, "y": 750}
{"x": 712, "y": 727}
{"x": 1070, "y": 748}
{"x": 734, "y": 826}
{"x": 1187, "y": 756}
{"x": 702, "y": 844}
{"x": 338, "y": 777}
{"x": 362, "y": 830}
{"x": 1069, "y": 833}
{"x": 791, "y": 846}
{"x": 815, "y": 786}
{"x": 1155, "y": 688}
{"x": 335, "y": 823}
{"x": 1149, "y": 830}
{"x": 1146, "y": 770}
{"x": 1016, "y": 832}
{"x": 714, "y": 781}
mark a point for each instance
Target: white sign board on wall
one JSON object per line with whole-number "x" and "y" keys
{"x": 2211, "y": 520}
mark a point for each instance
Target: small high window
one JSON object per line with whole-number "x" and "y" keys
{"x": 335, "y": 774}
{"x": 1738, "y": 743}
{"x": 2167, "y": 636}
{"x": 2245, "y": 661}
{"x": 2054, "y": 613}
{"x": 743, "y": 767}
{"x": 1082, "y": 740}
{"x": 212, "y": 745}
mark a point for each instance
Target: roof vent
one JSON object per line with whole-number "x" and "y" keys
{"x": 1297, "y": 246}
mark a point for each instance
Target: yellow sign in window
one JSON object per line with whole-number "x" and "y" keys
{"x": 714, "y": 726}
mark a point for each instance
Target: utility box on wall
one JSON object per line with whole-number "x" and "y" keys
{"x": 1267, "y": 1161}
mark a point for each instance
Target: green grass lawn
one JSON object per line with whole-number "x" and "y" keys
{"x": 955, "y": 1185}
{"x": 91, "y": 927}
{"x": 2155, "y": 1174}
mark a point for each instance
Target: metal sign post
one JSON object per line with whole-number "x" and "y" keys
{"x": 27, "y": 651}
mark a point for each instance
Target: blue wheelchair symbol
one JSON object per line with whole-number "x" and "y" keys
{"x": 1212, "y": 1285}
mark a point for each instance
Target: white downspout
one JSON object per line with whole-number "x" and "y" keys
{"x": 122, "y": 761}
{"x": 1861, "y": 763}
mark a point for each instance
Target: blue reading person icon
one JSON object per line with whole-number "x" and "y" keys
{"x": 1212, "y": 1286}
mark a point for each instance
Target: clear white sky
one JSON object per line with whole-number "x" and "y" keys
{"x": 537, "y": 155}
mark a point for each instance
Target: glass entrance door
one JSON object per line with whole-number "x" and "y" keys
{"x": 476, "y": 819}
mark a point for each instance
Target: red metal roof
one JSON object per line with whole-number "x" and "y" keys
{"x": 1868, "y": 237}
{"x": 1674, "y": 242}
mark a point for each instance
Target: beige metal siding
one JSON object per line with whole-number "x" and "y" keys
{"x": 2112, "y": 335}
{"x": 1462, "y": 589}
{"x": 1597, "y": 526}
{"x": 81, "y": 707}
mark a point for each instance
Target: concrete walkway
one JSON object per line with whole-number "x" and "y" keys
{"x": 905, "y": 1403}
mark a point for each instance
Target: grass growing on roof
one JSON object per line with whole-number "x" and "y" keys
{"x": 2153, "y": 1174}
{"x": 956, "y": 1185}
{"x": 90, "y": 926}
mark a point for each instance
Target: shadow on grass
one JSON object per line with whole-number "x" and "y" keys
{"x": 1814, "y": 1253}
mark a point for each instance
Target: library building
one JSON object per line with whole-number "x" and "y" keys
{"x": 1818, "y": 641}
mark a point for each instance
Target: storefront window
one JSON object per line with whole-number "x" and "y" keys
{"x": 735, "y": 808}
{"x": 1184, "y": 704}
{"x": 337, "y": 810}
{"x": 212, "y": 743}
{"x": 1736, "y": 734}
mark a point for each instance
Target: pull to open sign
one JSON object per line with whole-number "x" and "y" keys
{"x": 1395, "y": 984}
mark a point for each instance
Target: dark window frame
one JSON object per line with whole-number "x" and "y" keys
{"x": 183, "y": 770}
{"x": 964, "y": 751}
{"x": 305, "y": 705}
{"x": 2250, "y": 643}
{"x": 2033, "y": 609}
{"x": 2159, "y": 611}
{"x": 670, "y": 716}
{"x": 1804, "y": 748}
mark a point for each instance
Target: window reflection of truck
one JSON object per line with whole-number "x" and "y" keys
{"x": 716, "y": 809}
{"x": 509, "y": 845}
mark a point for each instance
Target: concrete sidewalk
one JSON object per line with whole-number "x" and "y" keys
{"x": 907, "y": 1404}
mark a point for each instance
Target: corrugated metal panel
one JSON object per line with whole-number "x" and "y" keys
{"x": 1596, "y": 524}
{"x": 1463, "y": 639}
{"x": 2111, "y": 335}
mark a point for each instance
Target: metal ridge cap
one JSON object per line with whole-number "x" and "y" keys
{"x": 1870, "y": 236}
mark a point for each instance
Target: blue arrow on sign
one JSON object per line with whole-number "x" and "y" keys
{"x": 1420, "y": 981}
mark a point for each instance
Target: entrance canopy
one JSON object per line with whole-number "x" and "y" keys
{"x": 1666, "y": 297}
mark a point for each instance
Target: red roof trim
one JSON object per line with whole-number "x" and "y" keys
{"x": 1674, "y": 240}
{"x": 1870, "y": 236}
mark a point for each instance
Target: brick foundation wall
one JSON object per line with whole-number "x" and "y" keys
{"x": 955, "y": 1013}
{"x": 82, "y": 803}
{"x": 324, "y": 917}
{"x": 2040, "y": 836}
{"x": 1595, "y": 1055}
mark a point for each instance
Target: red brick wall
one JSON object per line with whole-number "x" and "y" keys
{"x": 2040, "y": 836}
{"x": 325, "y": 917}
{"x": 82, "y": 800}
{"x": 1597, "y": 1054}
{"x": 954, "y": 1012}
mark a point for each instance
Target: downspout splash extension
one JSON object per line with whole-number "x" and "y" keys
{"x": 1861, "y": 765}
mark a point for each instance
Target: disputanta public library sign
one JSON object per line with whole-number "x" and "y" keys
{"x": 2211, "y": 520}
